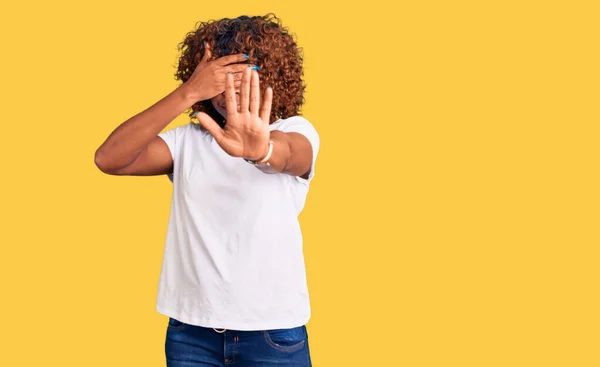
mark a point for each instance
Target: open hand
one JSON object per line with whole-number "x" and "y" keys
{"x": 246, "y": 133}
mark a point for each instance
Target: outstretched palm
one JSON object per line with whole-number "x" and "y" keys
{"x": 246, "y": 133}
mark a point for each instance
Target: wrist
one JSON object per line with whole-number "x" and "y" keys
{"x": 264, "y": 158}
{"x": 190, "y": 94}
{"x": 267, "y": 152}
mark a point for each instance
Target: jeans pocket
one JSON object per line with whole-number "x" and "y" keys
{"x": 286, "y": 340}
{"x": 176, "y": 325}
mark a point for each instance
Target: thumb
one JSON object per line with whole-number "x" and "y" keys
{"x": 210, "y": 125}
{"x": 207, "y": 53}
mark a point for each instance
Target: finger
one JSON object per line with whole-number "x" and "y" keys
{"x": 255, "y": 93}
{"x": 245, "y": 90}
{"x": 265, "y": 111}
{"x": 230, "y": 100}
{"x": 238, "y": 68}
{"x": 238, "y": 84}
{"x": 237, "y": 79}
{"x": 231, "y": 59}
{"x": 210, "y": 125}
{"x": 207, "y": 52}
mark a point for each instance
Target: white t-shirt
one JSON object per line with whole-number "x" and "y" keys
{"x": 233, "y": 256}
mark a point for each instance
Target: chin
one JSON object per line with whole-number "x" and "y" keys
{"x": 222, "y": 112}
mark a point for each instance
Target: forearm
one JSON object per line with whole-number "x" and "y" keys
{"x": 130, "y": 138}
{"x": 281, "y": 155}
{"x": 291, "y": 154}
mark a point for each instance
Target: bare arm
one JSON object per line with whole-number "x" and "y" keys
{"x": 292, "y": 154}
{"x": 247, "y": 131}
{"x": 134, "y": 146}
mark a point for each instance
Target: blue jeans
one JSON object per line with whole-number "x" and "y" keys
{"x": 195, "y": 346}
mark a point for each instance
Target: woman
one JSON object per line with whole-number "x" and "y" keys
{"x": 233, "y": 276}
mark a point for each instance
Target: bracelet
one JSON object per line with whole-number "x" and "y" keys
{"x": 265, "y": 160}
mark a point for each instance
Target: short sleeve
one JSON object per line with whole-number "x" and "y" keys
{"x": 301, "y": 125}
{"x": 171, "y": 137}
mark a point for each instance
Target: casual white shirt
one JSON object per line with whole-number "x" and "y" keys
{"x": 233, "y": 256}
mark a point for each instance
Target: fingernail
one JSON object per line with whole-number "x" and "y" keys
{"x": 204, "y": 43}
{"x": 195, "y": 113}
{"x": 249, "y": 66}
{"x": 270, "y": 87}
{"x": 255, "y": 67}
{"x": 228, "y": 72}
{"x": 245, "y": 56}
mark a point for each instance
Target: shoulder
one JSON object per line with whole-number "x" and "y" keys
{"x": 176, "y": 133}
{"x": 175, "y": 137}
{"x": 298, "y": 124}
{"x": 292, "y": 123}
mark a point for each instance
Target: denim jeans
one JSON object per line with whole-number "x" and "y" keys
{"x": 195, "y": 346}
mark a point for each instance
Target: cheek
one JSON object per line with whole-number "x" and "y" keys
{"x": 216, "y": 101}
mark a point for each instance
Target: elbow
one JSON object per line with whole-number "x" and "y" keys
{"x": 102, "y": 163}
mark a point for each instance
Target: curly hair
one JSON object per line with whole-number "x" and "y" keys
{"x": 266, "y": 42}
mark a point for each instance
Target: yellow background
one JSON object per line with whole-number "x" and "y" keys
{"x": 454, "y": 215}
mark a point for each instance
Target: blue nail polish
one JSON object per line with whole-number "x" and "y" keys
{"x": 195, "y": 113}
{"x": 245, "y": 56}
{"x": 255, "y": 67}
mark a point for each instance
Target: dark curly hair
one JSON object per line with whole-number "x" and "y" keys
{"x": 266, "y": 42}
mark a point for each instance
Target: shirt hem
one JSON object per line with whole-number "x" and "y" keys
{"x": 185, "y": 318}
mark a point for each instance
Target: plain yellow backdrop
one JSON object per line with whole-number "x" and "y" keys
{"x": 453, "y": 219}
